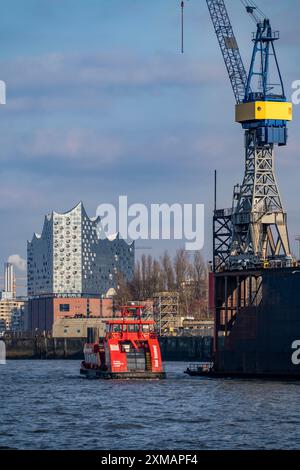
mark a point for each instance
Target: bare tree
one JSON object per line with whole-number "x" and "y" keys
{"x": 168, "y": 278}
{"x": 185, "y": 274}
{"x": 157, "y": 277}
{"x": 123, "y": 291}
{"x": 135, "y": 285}
{"x": 144, "y": 275}
{"x": 149, "y": 277}
{"x": 200, "y": 274}
{"x": 182, "y": 267}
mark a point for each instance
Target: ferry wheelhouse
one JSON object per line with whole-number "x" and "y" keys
{"x": 129, "y": 350}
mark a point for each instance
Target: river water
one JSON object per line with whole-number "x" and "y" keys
{"x": 46, "y": 405}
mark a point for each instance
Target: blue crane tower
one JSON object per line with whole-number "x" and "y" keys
{"x": 255, "y": 309}
{"x": 253, "y": 233}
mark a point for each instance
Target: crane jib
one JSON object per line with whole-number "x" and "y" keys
{"x": 229, "y": 48}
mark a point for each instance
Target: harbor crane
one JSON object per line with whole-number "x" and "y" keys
{"x": 254, "y": 231}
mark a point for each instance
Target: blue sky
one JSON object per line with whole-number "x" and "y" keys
{"x": 100, "y": 103}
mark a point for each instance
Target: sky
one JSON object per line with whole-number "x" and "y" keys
{"x": 101, "y": 103}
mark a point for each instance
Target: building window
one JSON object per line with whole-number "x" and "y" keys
{"x": 64, "y": 307}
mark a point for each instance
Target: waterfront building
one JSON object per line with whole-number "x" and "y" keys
{"x": 9, "y": 292}
{"x": 70, "y": 257}
{"x": 12, "y": 315}
{"x": 77, "y": 328}
{"x": 45, "y": 311}
{"x": 72, "y": 269}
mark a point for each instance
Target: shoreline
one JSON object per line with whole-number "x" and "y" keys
{"x": 173, "y": 348}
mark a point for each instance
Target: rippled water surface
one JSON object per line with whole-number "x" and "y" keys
{"x": 46, "y": 405}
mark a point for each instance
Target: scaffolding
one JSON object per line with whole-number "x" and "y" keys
{"x": 166, "y": 312}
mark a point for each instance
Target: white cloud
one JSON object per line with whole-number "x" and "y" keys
{"x": 40, "y": 81}
{"x": 73, "y": 144}
{"x": 18, "y": 262}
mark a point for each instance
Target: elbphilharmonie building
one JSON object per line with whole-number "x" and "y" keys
{"x": 70, "y": 257}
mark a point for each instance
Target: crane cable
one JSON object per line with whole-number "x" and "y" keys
{"x": 182, "y": 27}
{"x": 245, "y": 3}
{"x": 252, "y": 4}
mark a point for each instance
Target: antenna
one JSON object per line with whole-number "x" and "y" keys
{"x": 182, "y": 27}
{"x": 215, "y": 191}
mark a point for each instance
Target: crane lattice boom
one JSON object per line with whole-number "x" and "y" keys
{"x": 255, "y": 231}
{"x": 229, "y": 47}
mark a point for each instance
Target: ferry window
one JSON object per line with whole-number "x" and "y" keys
{"x": 124, "y": 327}
{"x": 146, "y": 328}
{"x": 64, "y": 307}
{"x": 116, "y": 328}
{"x": 134, "y": 328}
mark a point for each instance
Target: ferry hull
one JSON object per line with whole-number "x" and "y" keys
{"x": 136, "y": 375}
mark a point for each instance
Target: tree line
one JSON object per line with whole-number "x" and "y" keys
{"x": 184, "y": 273}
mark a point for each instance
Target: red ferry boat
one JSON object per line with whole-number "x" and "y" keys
{"x": 130, "y": 349}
